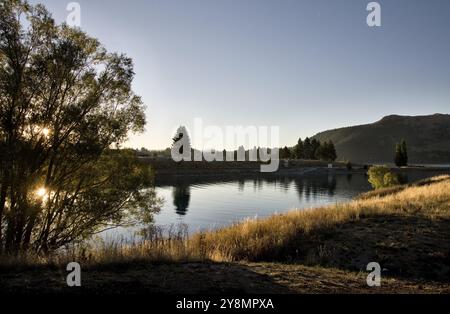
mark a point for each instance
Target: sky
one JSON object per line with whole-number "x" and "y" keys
{"x": 305, "y": 66}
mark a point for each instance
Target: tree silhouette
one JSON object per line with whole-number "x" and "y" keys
{"x": 398, "y": 159}
{"x": 285, "y": 153}
{"x": 307, "y": 149}
{"x": 404, "y": 153}
{"x": 326, "y": 151}
{"x": 64, "y": 103}
{"x": 401, "y": 154}
{"x": 299, "y": 149}
{"x": 182, "y": 135}
{"x": 315, "y": 145}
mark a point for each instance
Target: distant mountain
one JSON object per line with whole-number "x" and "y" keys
{"x": 427, "y": 137}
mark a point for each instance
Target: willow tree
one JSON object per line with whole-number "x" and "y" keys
{"x": 65, "y": 102}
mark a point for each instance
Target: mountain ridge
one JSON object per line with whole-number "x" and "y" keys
{"x": 427, "y": 136}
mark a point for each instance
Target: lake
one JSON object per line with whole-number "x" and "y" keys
{"x": 215, "y": 204}
{"x": 212, "y": 204}
{"x": 209, "y": 205}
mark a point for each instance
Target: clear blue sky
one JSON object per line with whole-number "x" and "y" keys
{"x": 306, "y": 66}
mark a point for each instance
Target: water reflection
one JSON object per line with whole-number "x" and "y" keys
{"x": 306, "y": 188}
{"x": 210, "y": 203}
{"x": 241, "y": 185}
{"x": 181, "y": 195}
{"x": 403, "y": 178}
{"x": 349, "y": 177}
{"x": 203, "y": 203}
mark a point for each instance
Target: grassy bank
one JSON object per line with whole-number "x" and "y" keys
{"x": 406, "y": 229}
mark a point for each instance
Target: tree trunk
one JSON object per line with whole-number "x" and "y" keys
{"x": 3, "y": 192}
{"x": 28, "y": 231}
{"x": 9, "y": 236}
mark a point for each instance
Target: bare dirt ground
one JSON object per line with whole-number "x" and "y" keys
{"x": 207, "y": 278}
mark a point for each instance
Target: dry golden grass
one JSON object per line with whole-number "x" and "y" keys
{"x": 406, "y": 229}
{"x": 340, "y": 235}
{"x": 260, "y": 239}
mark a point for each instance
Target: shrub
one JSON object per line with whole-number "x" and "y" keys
{"x": 382, "y": 177}
{"x": 390, "y": 179}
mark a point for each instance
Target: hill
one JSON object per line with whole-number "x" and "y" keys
{"x": 428, "y": 139}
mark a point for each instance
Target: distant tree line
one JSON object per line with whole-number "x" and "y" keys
{"x": 241, "y": 154}
{"x": 310, "y": 149}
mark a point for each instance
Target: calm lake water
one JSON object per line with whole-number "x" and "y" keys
{"x": 212, "y": 205}
{"x": 209, "y": 205}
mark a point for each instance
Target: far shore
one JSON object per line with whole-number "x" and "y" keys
{"x": 167, "y": 170}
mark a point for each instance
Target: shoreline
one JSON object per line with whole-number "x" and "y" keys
{"x": 324, "y": 250}
{"x": 204, "y": 171}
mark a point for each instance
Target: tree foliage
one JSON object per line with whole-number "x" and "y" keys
{"x": 314, "y": 149}
{"x": 401, "y": 154}
{"x": 285, "y": 153}
{"x": 382, "y": 177}
{"x": 64, "y": 102}
{"x": 326, "y": 151}
{"x": 299, "y": 149}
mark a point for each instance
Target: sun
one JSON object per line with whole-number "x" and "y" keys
{"x": 45, "y": 132}
{"x": 41, "y": 192}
